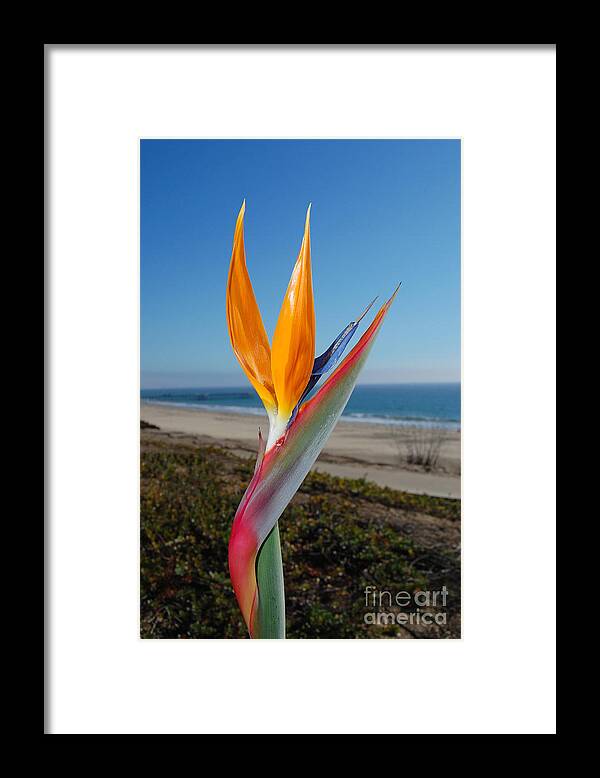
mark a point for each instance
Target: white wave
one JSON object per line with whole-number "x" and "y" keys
{"x": 365, "y": 418}
{"x": 207, "y": 407}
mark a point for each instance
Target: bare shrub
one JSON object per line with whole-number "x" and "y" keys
{"x": 418, "y": 445}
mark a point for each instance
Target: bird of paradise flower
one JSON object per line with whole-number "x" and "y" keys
{"x": 283, "y": 376}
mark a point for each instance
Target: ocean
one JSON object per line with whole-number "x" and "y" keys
{"x": 405, "y": 404}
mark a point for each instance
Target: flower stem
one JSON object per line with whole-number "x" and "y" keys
{"x": 271, "y": 602}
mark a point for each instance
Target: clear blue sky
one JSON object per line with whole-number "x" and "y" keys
{"x": 382, "y": 212}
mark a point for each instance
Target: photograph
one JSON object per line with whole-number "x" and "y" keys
{"x": 300, "y": 388}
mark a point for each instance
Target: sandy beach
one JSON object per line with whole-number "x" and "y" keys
{"x": 376, "y": 452}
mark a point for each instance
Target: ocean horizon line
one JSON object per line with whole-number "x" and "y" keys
{"x": 417, "y": 404}
{"x": 245, "y": 387}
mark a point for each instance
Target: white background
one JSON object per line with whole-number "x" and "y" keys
{"x": 500, "y": 677}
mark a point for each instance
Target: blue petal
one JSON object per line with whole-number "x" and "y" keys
{"x": 329, "y": 358}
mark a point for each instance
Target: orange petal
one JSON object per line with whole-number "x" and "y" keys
{"x": 294, "y": 338}
{"x": 246, "y": 330}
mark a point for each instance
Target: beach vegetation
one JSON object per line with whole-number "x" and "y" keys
{"x": 337, "y": 539}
